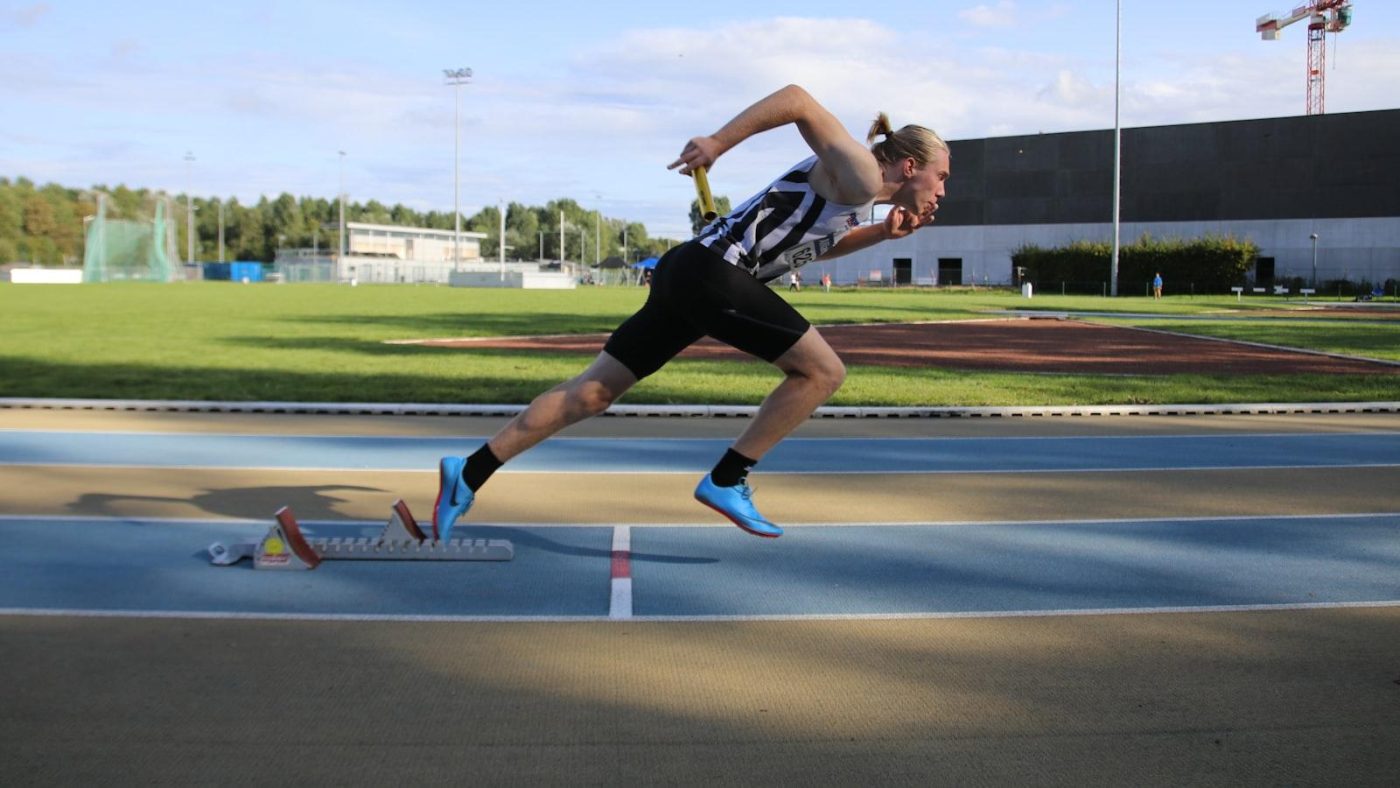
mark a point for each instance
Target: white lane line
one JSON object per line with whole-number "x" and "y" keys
{"x": 620, "y": 603}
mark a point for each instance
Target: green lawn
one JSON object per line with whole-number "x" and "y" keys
{"x": 327, "y": 343}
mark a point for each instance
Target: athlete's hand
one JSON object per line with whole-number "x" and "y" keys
{"x": 699, "y": 152}
{"x": 900, "y": 222}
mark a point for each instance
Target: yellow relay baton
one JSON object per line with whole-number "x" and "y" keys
{"x": 702, "y": 190}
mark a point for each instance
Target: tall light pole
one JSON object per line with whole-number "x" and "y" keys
{"x": 189, "y": 205}
{"x": 1314, "y": 276}
{"x": 221, "y": 230}
{"x": 340, "y": 242}
{"x": 456, "y": 77}
{"x": 1117, "y": 144}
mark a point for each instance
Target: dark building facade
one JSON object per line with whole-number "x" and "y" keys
{"x": 1276, "y": 181}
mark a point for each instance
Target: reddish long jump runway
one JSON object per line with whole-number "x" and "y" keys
{"x": 1020, "y": 345}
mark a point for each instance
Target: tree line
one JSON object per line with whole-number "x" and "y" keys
{"x": 45, "y": 225}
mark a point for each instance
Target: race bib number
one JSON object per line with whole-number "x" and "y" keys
{"x": 803, "y": 254}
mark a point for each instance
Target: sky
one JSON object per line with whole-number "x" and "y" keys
{"x": 592, "y": 100}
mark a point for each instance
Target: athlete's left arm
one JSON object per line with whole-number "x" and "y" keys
{"x": 897, "y": 224}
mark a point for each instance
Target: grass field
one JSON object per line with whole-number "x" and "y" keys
{"x": 224, "y": 341}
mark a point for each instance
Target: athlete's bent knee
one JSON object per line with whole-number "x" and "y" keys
{"x": 832, "y": 376}
{"x": 589, "y": 398}
{"x": 826, "y": 376}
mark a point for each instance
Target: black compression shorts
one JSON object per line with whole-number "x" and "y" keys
{"x": 695, "y": 293}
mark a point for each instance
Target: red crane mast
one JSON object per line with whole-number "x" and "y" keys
{"x": 1324, "y": 16}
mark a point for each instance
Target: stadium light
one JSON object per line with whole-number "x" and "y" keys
{"x": 456, "y": 77}
{"x": 1117, "y": 145}
{"x": 189, "y": 206}
{"x": 340, "y": 242}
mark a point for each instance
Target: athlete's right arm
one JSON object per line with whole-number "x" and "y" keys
{"x": 847, "y": 172}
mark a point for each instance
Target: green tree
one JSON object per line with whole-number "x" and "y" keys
{"x": 697, "y": 220}
{"x": 522, "y": 231}
{"x": 11, "y": 221}
{"x": 46, "y": 224}
{"x": 487, "y": 220}
{"x": 67, "y": 225}
{"x": 38, "y": 216}
{"x": 125, "y": 203}
{"x": 375, "y": 212}
{"x": 286, "y": 219}
{"x": 634, "y": 236}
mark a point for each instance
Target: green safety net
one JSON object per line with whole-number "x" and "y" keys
{"x": 130, "y": 249}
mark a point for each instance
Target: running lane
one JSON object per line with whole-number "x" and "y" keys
{"x": 926, "y": 525}
{"x": 690, "y": 455}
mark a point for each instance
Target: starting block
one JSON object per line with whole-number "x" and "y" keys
{"x": 284, "y": 546}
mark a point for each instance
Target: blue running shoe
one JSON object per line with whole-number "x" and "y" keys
{"x": 736, "y": 504}
{"x": 454, "y": 496}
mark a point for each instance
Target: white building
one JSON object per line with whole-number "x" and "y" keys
{"x": 381, "y": 253}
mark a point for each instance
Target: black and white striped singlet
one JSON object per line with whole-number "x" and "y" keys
{"x": 783, "y": 227}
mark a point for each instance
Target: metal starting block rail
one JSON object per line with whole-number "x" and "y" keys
{"x": 285, "y": 547}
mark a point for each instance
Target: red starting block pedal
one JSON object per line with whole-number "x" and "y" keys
{"x": 285, "y": 547}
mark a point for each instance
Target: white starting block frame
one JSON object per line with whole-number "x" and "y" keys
{"x": 284, "y": 546}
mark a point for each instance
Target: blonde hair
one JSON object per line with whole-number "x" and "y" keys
{"x": 921, "y": 144}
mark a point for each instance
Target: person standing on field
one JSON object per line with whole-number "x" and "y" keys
{"x": 716, "y": 285}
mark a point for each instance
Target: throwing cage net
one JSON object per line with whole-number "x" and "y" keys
{"x": 138, "y": 249}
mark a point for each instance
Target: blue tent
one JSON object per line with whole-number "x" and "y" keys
{"x": 650, "y": 262}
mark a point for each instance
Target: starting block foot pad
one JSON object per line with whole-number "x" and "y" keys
{"x": 285, "y": 547}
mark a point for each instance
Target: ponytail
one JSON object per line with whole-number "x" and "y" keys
{"x": 921, "y": 144}
{"x": 880, "y": 126}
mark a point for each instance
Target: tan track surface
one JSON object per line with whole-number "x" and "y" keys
{"x": 1294, "y": 697}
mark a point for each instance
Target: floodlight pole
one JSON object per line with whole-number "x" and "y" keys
{"x": 457, "y": 77}
{"x": 340, "y": 237}
{"x": 221, "y": 231}
{"x": 1117, "y": 146}
{"x": 189, "y": 206}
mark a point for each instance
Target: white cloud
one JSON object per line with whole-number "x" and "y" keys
{"x": 1003, "y": 14}
{"x": 1071, "y": 90}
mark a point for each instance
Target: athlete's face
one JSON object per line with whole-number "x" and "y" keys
{"x": 923, "y": 186}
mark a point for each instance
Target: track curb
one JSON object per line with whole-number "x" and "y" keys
{"x": 696, "y": 411}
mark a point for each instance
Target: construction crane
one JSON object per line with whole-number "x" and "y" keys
{"x": 1324, "y": 16}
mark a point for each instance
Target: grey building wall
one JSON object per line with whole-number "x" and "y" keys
{"x": 1274, "y": 181}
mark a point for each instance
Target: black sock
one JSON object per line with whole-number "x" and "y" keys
{"x": 732, "y": 468}
{"x": 479, "y": 467}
